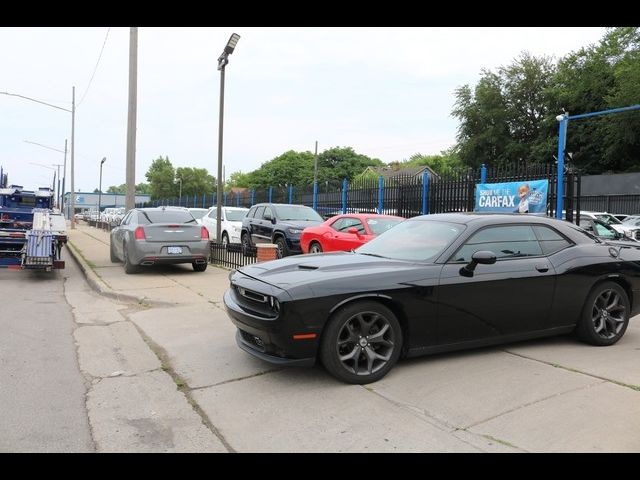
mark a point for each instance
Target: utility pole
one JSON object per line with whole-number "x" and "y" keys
{"x": 64, "y": 177}
{"x": 131, "y": 122}
{"x": 73, "y": 130}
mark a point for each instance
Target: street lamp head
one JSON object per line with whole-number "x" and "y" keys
{"x": 231, "y": 44}
{"x": 103, "y": 160}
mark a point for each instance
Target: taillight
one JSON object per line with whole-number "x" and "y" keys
{"x": 139, "y": 234}
{"x": 204, "y": 233}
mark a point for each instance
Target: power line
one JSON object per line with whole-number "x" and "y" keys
{"x": 96, "y": 67}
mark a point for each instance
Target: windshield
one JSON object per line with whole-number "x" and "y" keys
{"x": 235, "y": 215}
{"x": 381, "y": 225}
{"x": 294, "y": 212}
{"x": 198, "y": 212}
{"x": 608, "y": 219}
{"x": 418, "y": 240}
{"x": 165, "y": 216}
{"x": 631, "y": 221}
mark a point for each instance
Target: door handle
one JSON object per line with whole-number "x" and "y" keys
{"x": 542, "y": 267}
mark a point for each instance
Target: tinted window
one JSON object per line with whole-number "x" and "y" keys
{"x": 267, "y": 214}
{"x": 506, "y": 242}
{"x": 197, "y": 212}
{"x": 125, "y": 220}
{"x": 419, "y": 240}
{"x": 165, "y": 216}
{"x": 258, "y": 213}
{"x": 251, "y": 212}
{"x": 345, "y": 223}
{"x": 296, "y": 212}
{"x": 550, "y": 240}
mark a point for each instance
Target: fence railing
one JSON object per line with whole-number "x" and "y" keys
{"x": 232, "y": 255}
{"x": 403, "y": 195}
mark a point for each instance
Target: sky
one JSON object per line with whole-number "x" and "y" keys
{"x": 386, "y": 92}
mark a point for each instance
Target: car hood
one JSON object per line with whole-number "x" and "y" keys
{"x": 329, "y": 268}
{"x": 301, "y": 224}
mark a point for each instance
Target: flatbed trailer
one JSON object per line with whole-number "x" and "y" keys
{"x": 32, "y": 234}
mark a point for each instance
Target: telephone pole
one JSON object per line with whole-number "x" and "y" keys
{"x": 131, "y": 123}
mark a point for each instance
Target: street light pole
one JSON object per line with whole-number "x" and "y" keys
{"x": 223, "y": 60}
{"x": 73, "y": 130}
{"x": 180, "y": 192}
{"x": 100, "y": 187}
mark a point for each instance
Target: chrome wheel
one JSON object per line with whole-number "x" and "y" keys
{"x": 608, "y": 314}
{"x": 365, "y": 343}
{"x": 315, "y": 248}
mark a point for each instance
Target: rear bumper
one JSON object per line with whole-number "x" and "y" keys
{"x": 150, "y": 253}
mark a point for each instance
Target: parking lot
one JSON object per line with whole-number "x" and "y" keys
{"x": 167, "y": 376}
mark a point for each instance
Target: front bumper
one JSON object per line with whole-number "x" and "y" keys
{"x": 253, "y": 349}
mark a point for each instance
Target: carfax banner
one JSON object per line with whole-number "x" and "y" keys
{"x": 512, "y": 197}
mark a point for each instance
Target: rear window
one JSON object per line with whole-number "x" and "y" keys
{"x": 165, "y": 216}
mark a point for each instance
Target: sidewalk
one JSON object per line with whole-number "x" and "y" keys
{"x": 161, "y": 285}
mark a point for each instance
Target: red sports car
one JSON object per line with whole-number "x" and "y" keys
{"x": 346, "y": 231}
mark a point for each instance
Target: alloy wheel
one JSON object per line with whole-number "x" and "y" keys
{"x": 608, "y": 314}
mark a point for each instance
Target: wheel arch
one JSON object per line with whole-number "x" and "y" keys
{"x": 384, "y": 300}
{"x": 623, "y": 282}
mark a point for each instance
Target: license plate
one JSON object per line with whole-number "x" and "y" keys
{"x": 174, "y": 250}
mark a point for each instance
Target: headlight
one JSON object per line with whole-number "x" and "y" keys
{"x": 274, "y": 304}
{"x": 295, "y": 231}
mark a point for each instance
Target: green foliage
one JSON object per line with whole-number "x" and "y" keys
{"x": 195, "y": 181}
{"x": 343, "y": 162}
{"x": 161, "y": 175}
{"x": 121, "y": 189}
{"x": 510, "y": 114}
{"x": 447, "y": 163}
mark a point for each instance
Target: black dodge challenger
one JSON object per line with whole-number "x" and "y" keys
{"x": 432, "y": 284}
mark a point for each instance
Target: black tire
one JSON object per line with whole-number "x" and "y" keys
{"x": 128, "y": 266}
{"x": 199, "y": 267}
{"x": 347, "y": 349}
{"x": 246, "y": 243}
{"x": 282, "y": 250}
{"x": 225, "y": 239}
{"x": 315, "y": 247}
{"x": 112, "y": 254}
{"x": 605, "y": 316}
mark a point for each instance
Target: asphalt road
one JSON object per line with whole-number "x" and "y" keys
{"x": 42, "y": 392}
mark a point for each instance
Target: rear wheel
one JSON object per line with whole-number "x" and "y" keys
{"x": 246, "y": 244}
{"x": 361, "y": 343}
{"x": 605, "y": 316}
{"x": 128, "y": 266}
{"x": 112, "y": 254}
{"x": 199, "y": 267}
{"x": 315, "y": 247}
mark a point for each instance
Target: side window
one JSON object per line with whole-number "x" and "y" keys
{"x": 338, "y": 224}
{"x": 267, "y": 213}
{"x": 258, "y": 213}
{"x": 213, "y": 214}
{"x": 513, "y": 241}
{"x": 550, "y": 240}
{"x": 251, "y": 212}
{"x": 125, "y": 220}
{"x": 603, "y": 231}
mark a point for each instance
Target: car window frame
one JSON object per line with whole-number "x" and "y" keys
{"x": 450, "y": 259}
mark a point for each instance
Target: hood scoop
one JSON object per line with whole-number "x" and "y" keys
{"x": 308, "y": 267}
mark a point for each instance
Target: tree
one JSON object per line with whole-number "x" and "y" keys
{"x": 121, "y": 189}
{"x": 337, "y": 163}
{"x": 195, "y": 181}
{"x": 161, "y": 176}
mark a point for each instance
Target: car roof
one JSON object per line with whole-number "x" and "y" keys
{"x": 487, "y": 218}
{"x": 364, "y": 216}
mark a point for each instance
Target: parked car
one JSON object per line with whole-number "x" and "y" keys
{"x": 150, "y": 236}
{"x": 603, "y": 230}
{"x": 198, "y": 213}
{"x": 277, "y": 223}
{"x": 345, "y": 232}
{"x": 613, "y": 222}
{"x": 230, "y": 224}
{"x": 431, "y": 284}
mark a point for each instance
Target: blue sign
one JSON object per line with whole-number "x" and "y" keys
{"x": 512, "y": 197}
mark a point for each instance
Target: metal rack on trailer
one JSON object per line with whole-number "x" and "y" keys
{"x": 32, "y": 234}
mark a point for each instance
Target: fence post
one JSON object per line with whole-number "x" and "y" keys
{"x": 270, "y": 193}
{"x": 237, "y": 199}
{"x": 290, "y": 193}
{"x": 380, "y": 193}
{"x": 225, "y": 199}
{"x": 483, "y": 173}
{"x": 253, "y": 196}
{"x": 195, "y": 200}
{"x": 344, "y": 195}
{"x": 315, "y": 195}
{"x": 425, "y": 192}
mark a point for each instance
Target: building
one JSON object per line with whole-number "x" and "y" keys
{"x": 89, "y": 201}
{"x": 390, "y": 172}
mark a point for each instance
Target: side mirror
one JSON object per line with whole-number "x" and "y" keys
{"x": 273, "y": 220}
{"x": 353, "y": 230}
{"x": 483, "y": 257}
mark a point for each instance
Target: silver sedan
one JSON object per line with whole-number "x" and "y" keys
{"x": 150, "y": 236}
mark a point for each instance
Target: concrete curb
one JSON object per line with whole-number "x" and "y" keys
{"x": 99, "y": 286}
